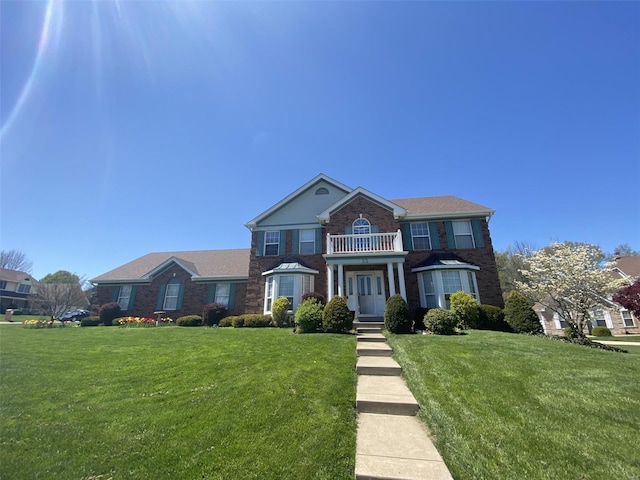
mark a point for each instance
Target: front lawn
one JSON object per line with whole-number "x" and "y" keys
{"x": 176, "y": 403}
{"x": 517, "y": 407}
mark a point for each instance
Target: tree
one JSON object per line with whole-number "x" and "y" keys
{"x": 629, "y": 298}
{"x": 15, "y": 260}
{"x": 519, "y": 314}
{"x": 569, "y": 279}
{"x": 623, "y": 250}
{"x": 510, "y": 263}
{"x": 60, "y": 292}
{"x": 465, "y": 308}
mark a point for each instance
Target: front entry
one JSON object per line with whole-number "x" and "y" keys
{"x": 365, "y": 293}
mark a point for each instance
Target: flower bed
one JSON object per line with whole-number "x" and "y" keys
{"x": 142, "y": 322}
{"x": 33, "y": 323}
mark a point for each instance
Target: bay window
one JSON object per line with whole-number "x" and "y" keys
{"x": 293, "y": 287}
{"x": 437, "y": 285}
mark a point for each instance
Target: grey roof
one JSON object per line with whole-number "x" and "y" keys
{"x": 629, "y": 265}
{"x": 203, "y": 264}
{"x": 15, "y": 276}
{"x": 444, "y": 205}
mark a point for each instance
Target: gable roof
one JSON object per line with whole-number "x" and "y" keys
{"x": 201, "y": 264}
{"x": 628, "y": 266}
{"x": 442, "y": 206}
{"x": 289, "y": 198}
{"x": 16, "y": 276}
{"x": 397, "y": 210}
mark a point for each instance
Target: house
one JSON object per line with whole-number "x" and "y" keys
{"x": 617, "y": 319}
{"x": 327, "y": 238}
{"x": 16, "y": 290}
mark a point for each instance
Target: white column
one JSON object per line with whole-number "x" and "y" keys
{"x": 329, "y": 282}
{"x": 392, "y": 281}
{"x": 403, "y": 289}
{"x": 341, "y": 280}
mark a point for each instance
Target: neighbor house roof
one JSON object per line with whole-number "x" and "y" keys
{"x": 201, "y": 264}
{"x": 442, "y": 206}
{"x": 16, "y": 276}
{"x": 629, "y": 266}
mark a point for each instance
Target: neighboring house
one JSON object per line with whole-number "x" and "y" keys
{"x": 619, "y": 320}
{"x": 17, "y": 290}
{"x": 330, "y": 239}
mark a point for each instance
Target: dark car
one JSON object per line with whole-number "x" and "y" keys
{"x": 75, "y": 315}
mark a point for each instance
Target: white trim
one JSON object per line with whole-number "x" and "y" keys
{"x": 398, "y": 211}
{"x": 460, "y": 266}
{"x": 164, "y": 265}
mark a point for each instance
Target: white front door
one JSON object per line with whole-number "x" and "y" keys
{"x": 365, "y": 293}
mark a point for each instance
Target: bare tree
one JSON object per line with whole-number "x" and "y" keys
{"x": 15, "y": 260}
{"x": 59, "y": 293}
{"x": 509, "y": 264}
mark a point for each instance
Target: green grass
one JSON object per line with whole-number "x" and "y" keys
{"x": 625, "y": 338}
{"x": 22, "y": 318}
{"x": 504, "y": 406}
{"x": 176, "y": 403}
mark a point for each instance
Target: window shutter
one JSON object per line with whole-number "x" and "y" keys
{"x": 295, "y": 241}
{"x": 451, "y": 238}
{"x": 476, "y": 228}
{"x": 433, "y": 234}
{"x": 212, "y": 293}
{"x": 318, "y": 240}
{"x": 232, "y": 296}
{"x": 283, "y": 243}
{"x": 160, "y": 302}
{"x": 348, "y": 230}
{"x": 132, "y": 298}
{"x": 180, "y": 297}
{"x": 405, "y": 228}
{"x": 375, "y": 229}
{"x": 259, "y": 243}
{"x": 114, "y": 294}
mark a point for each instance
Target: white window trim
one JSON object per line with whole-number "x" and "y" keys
{"x": 228, "y": 296}
{"x": 276, "y": 243}
{"x": 633, "y": 318}
{"x": 311, "y": 242}
{"x": 456, "y": 235}
{"x": 298, "y": 288}
{"x": 167, "y": 296}
{"x": 441, "y": 301}
{"x": 121, "y": 297}
{"x": 428, "y": 236}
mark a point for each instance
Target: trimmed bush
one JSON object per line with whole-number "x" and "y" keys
{"x": 396, "y": 315}
{"x": 441, "y": 322}
{"x": 227, "y": 321}
{"x": 519, "y": 314}
{"x": 108, "y": 312}
{"x": 238, "y": 321}
{"x": 337, "y": 317}
{"x": 601, "y": 332}
{"x": 256, "y": 320}
{"x": 279, "y": 311}
{"x": 465, "y": 307}
{"x": 309, "y": 316}
{"x": 212, "y": 313}
{"x": 568, "y": 332}
{"x": 189, "y": 321}
{"x": 491, "y": 318}
{"x": 317, "y": 296}
{"x": 90, "y": 321}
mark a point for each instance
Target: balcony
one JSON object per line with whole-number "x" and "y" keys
{"x": 368, "y": 243}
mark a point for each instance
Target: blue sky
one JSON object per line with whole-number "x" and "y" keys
{"x": 134, "y": 127}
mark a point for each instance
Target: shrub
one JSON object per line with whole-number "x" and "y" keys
{"x": 212, "y": 313}
{"x": 441, "y": 322}
{"x": 317, "y": 296}
{"x": 279, "y": 311}
{"x": 189, "y": 321}
{"x": 491, "y": 318}
{"x": 256, "y": 320}
{"x": 417, "y": 317}
{"x": 396, "y": 315}
{"x": 309, "y": 316}
{"x": 465, "y": 307}
{"x": 90, "y": 321}
{"x": 601, "y": 332}
{"x": 568, "y": 332}
{"x": 519, "y": 314}
{"x": 337, "y": 317}
{"x": 238, "y": 321}
{"x": 108, "y": 312}
{"x": 227, "y": 321}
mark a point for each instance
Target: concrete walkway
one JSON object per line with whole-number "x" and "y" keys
{"x": 391, "y": 443}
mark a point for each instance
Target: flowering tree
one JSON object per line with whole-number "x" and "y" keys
{"x": 569, "y": 279}
{"x": 629, "y": 298}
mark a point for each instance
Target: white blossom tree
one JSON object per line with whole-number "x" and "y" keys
{"x": 60, "y": 292}
{"x": 570, "y": 279}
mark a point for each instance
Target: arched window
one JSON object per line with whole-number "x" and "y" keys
{"x": 361, "y": 226}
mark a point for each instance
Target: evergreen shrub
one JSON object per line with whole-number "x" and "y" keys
{"x": 256, "y": 320}
{"x": 439, "y": 321}
{"x": 279, "y": 311}
{"x": 336, "y": 317}
{"x": 465, "y": 307}
{"x": 108, "y": 312}
{"x": 92, "y": 321}
{"x": 396, "y": 315}
{"x": 319, "y": 297}
{"x": 601, "y": 332}
{"x": 212, "y": 313}
{"x": 227, "y": 321}
{"x": 491, "y": 317}
{"x": 519, "y": 314}
{"x": 238, "y": 321}
{"x": 189, "y": 321}
{"x": 309, "y": 316}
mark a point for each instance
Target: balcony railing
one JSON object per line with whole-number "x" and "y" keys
{"x": 368, "y": 243}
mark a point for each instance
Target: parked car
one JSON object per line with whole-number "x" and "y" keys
{"x": 75, "y": 315}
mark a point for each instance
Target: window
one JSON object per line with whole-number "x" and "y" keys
{"x": 322, "y": 191}
{"x": 307, "y": 241}
{"x": 271, "y": 242}
{"x": 436, "y": 286}
{"x": 171, "y": 296}
{"x": 268, "y": 296}
{"x": 124, "y": 296}
{"x": 3, "y": 284}
{"x": 24, "y": 288}
{"x": 463, "y": 234}
{"x": 285, "y": 288}
{"x": 420, "y": 236}
{"x": 290, "y": 286}
{"x": 598, "y": 318}
{"x": 223, "y": 291}
{"x": 627, "y": 318}
{"x": 362, "y": 227}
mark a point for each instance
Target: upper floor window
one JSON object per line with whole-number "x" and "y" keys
{"x": 271, "y": 242}
{"x": 124, "y": 296}
{"x": 627, "y": 318}
{"x": 307, "y": 241}
{"x": 322, "y": 191}
{"x": 24, "y": 288}
{"x": 463, "y": 234}
{"x": 420, "y": 236}
{"x": 362, "y": 227}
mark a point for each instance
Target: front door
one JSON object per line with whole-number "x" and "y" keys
{"x": 365, "y": 293}
{"x": 366, "y": 299}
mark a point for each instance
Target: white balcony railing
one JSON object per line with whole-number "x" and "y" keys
{"x": 368, "y": 243}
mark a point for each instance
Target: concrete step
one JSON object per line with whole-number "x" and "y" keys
{"x": 373, "y": 349}
{"x": 371, "y": 337}
{"x": 370, "y": 327}
{"x": 396, "y": 447}
{"x": 385, "y": 395}
{"x": 386, "y": 366}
